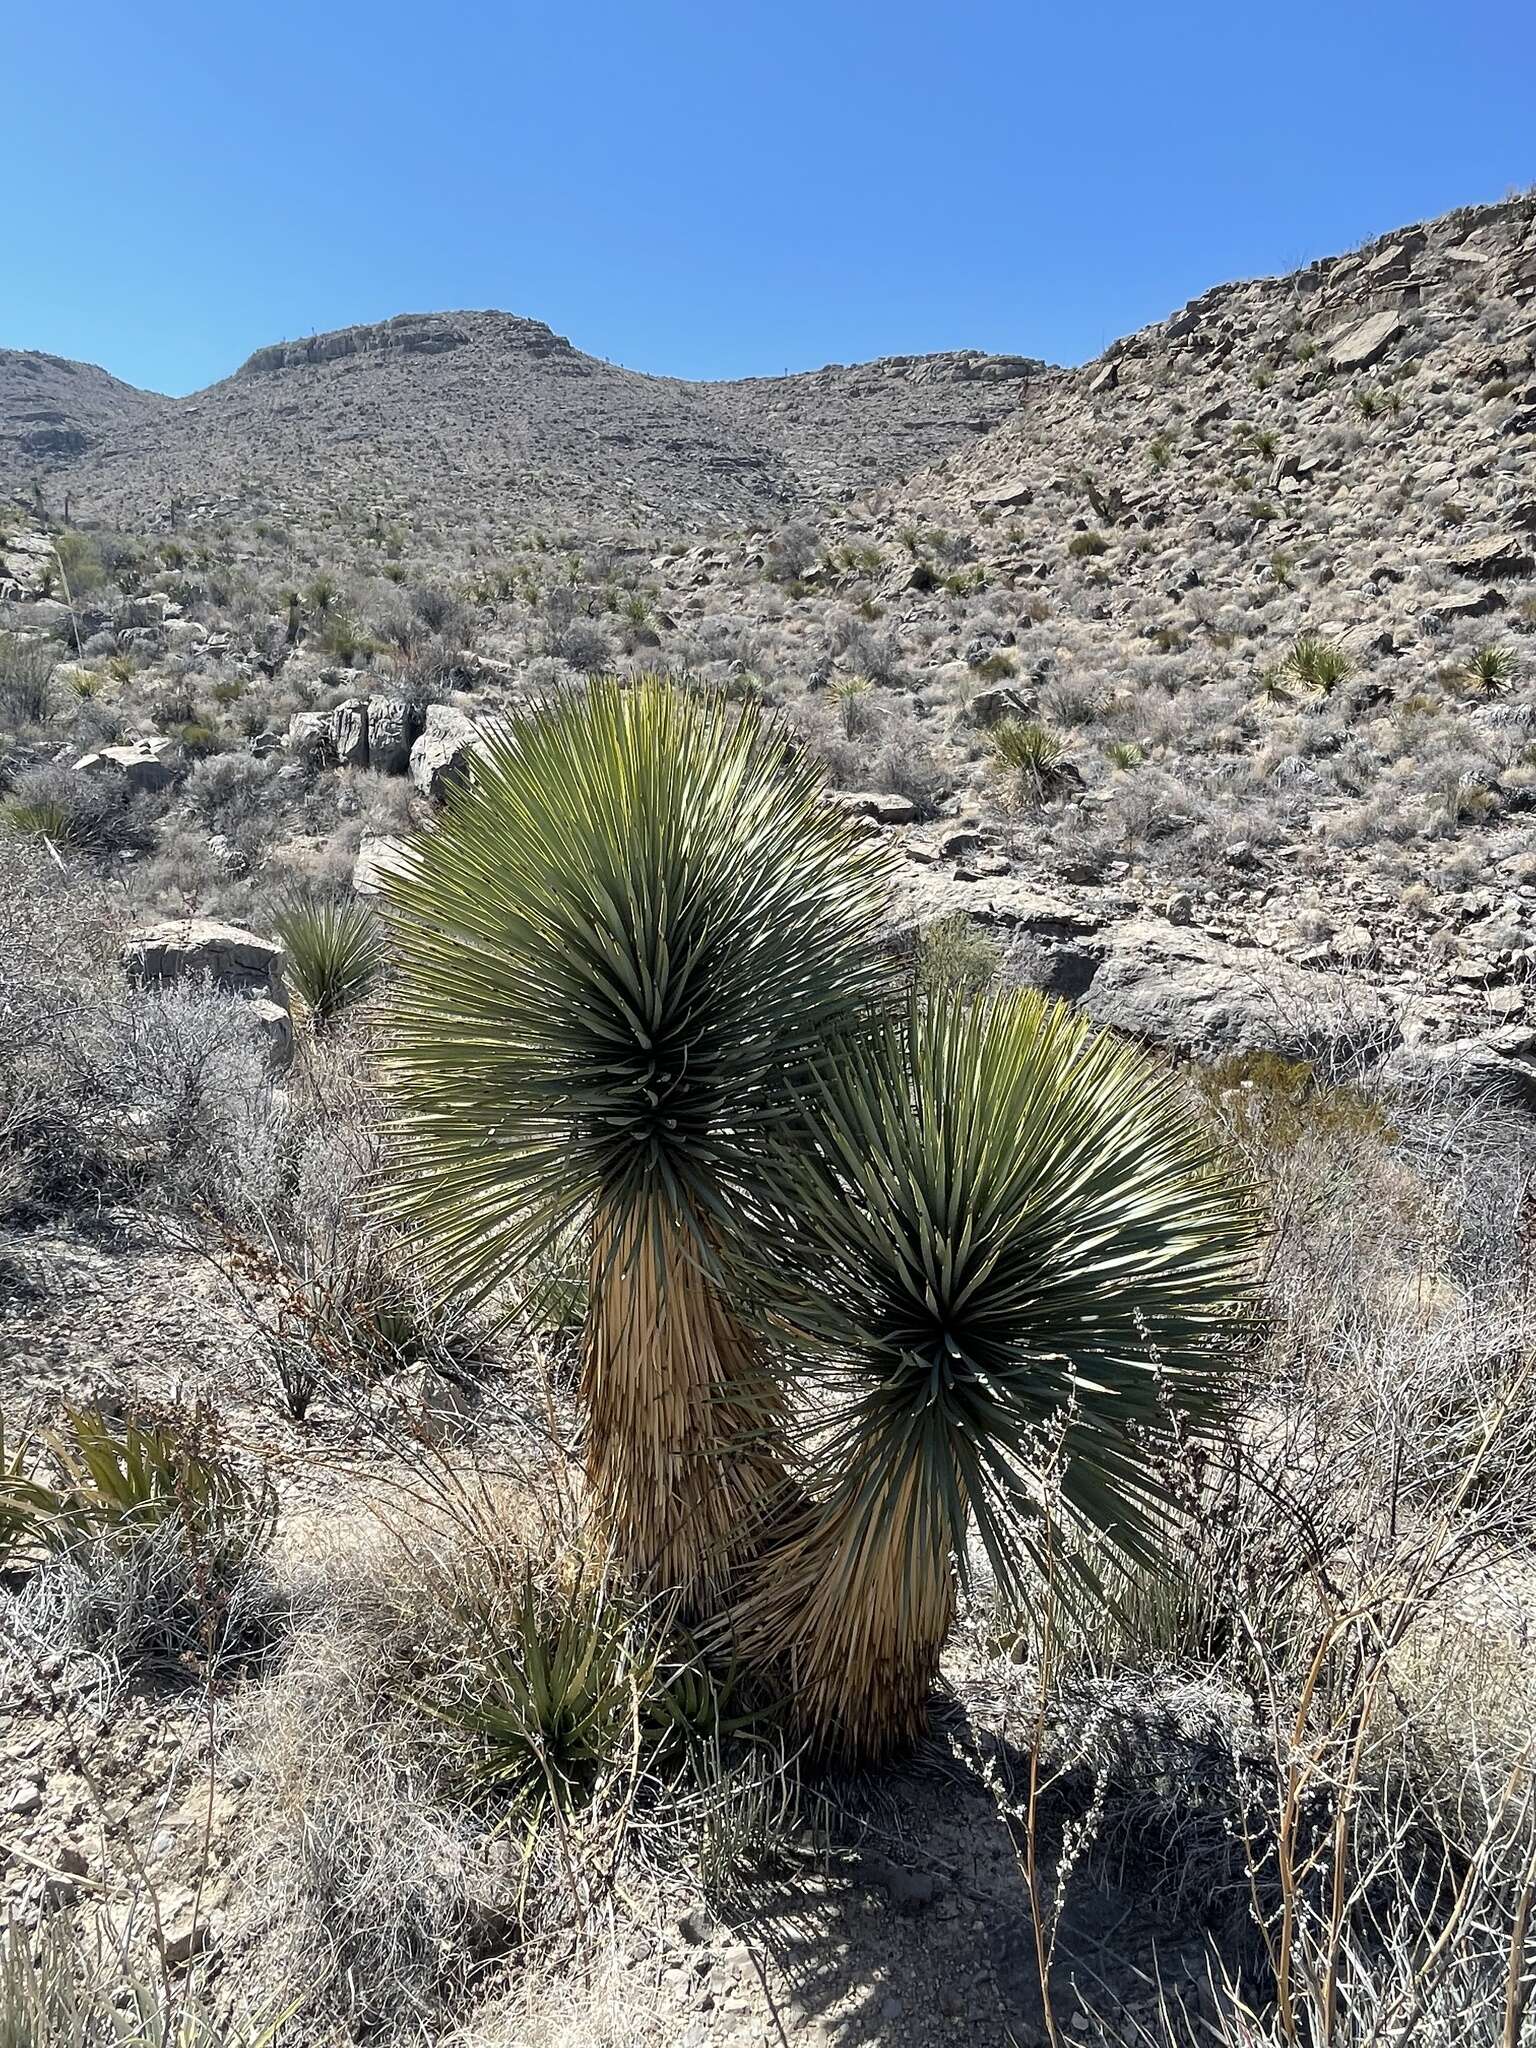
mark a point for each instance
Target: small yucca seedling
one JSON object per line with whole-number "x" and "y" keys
{"x": 1369, "y": 404}
{"x": 335, "y": 952}
{"x": 1489, "y": 670}
{"x": 577, "y": 1688}
{"x": 848, "y": 693}
{"x": 1272, "y": 684}
{"x": 1124, "y": 754}
{"x": 39, "y": 818}
{"x": 1318, "y": 663}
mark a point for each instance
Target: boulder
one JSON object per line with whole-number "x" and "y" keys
{"x": 311, "y": 738}
{"x": 376, "y": 858}
{"x": 441, "y": 756}
{"x": 393, "y": 724}
{"x": 1497, "y": 1066}
{"x": 1358, "y": 347}
{"x": 144, "y": 764}
{"x": 197, "y": 950}
{"x": 349, "y": 733}
{"x": 1502, "y": 555}
{"x": 200, "y": 949}
{"x": 881, "y": 806}
{"x": 1189, "y": 992}
{"x": 990, "y": 707}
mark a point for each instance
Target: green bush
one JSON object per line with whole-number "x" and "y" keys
{"x": 579, "y": 1690}
{"x": 1091, "y": 543}
{"x": 956, "y": 954}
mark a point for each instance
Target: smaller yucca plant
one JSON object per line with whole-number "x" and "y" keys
{"x": 1012, "y": 1259}
{"x": 335, "y": 952}
{"x": 850, "y": 694}
{"x": 1030, "y": 754}
{"x": 1488, "y": 670}
{"x": 578, "y": 1688}
{"x": 39, "y": 818}
{"x": 1318, "y": 663}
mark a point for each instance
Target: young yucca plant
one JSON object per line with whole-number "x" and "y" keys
{"x": 1488, "y": 670}
{"x": 618, "y": 952}
{"x": 1030, "y": 754}
{"x": 1012, "y": 1258}
{"x": 1318, "y": 663}
{"x": 335, "y": 952}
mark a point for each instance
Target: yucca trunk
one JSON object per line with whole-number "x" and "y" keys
{"x": 856, "y": 1606}
{"x": 682, "y": 1415}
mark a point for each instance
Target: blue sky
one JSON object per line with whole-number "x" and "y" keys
{"x": 717, "y": 189}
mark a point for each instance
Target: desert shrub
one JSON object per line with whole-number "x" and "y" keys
{"x": 61, "y": 1988}
{"x": 26, "y": 668}
{"x": 1082, "y": 545}
{"x": 225, "y": 791}
{"x": 793, "y": 550}
{"x": 95, "y": 814}
{"x": 443, "y": 614}
{"x": 108, "y": 1091}
{"x": 80, "y": 561}
{"x": 955, "y": 954}
{"x": 150, "y": 1541}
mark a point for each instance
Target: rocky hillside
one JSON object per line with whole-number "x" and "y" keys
{"x": 54, "y": 412}
{"x": 1205, "y": 679}
{"x": 486, "y": 422}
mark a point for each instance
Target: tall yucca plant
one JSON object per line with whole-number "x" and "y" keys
{"x": 618, "y": 952}
{"x": 1009, "y": 1251}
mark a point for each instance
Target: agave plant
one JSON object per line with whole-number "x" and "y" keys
{"x": 1009, "y": 1253}
{"x": 621, "y": 946}
{"x": 335, "y": 952}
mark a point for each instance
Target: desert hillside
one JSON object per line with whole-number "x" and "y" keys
{"x": 449, "y": 783}
{"x": 473, "y": 423}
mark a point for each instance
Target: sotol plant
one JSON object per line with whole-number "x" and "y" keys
{"x": 619, "y": 950}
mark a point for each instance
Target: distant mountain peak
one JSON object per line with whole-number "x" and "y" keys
{"x": 420, "y": 334}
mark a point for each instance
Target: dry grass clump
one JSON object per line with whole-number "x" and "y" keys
{"x": 1319, "y": 1728}
{"x": 108, "y": 1092}
{"x": 477, "y": 1745}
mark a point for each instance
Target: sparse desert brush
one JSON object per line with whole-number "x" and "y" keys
{"x": 1087, "y": 544}
{"x": 145, "y": 1540}
{"x": 955, "y": 955}
{"x": 26, "y": 669}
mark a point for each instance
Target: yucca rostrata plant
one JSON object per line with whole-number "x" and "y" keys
{"x": 618, "y": 951}
{"x": 1008, "y": 1253}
